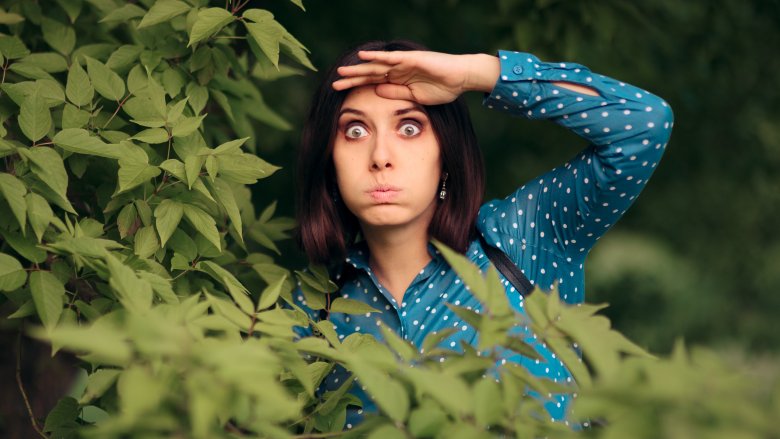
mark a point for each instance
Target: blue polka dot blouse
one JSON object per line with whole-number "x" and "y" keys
{"x": 546, "y": 227}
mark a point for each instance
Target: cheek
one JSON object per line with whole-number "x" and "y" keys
{"x": 347, "y": 169}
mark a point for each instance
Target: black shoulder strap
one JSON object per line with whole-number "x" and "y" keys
{"x": 506, "y": 267}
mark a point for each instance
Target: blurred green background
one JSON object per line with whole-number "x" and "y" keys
{"x": 698, "y": 255}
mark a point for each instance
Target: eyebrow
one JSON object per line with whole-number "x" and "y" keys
{"x": 400, "y": 112}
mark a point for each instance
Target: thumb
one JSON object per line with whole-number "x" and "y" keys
{"x": 394, "y": 91}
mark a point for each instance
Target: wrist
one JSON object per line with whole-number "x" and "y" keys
{"x": 483, "y": 71}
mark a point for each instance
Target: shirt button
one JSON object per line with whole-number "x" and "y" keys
{"x": 517, "y": 70}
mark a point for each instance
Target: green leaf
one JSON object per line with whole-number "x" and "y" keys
{"x": 388, "y": 393}
{"x": 427, "y": 420}
{"x": 298, "y": 3}
{"x": 124, "y": 13}
{"x": 72, "y": 117}
{"x": 351, "y": 306}
{"x": 47, "y": 165}
{"x": 134, "y": 293}
{"x": 203, "y": 223}
{"x": 139, "y": 392}
{"x": 12, "y": 274}
{"x": 173, "y": 81}
{"x": 244, "y": 168}
{"x": 49, "y": 295}
{"x": 14, "y": 191}
{"x": 12, "y": 47}
{"x": 230, "y": 147}
{"x": 49, "y": 62}
{"x": 64, "y": 414}
{"x": 227, "y": 200}
{"x": 223, "y": 102}
{"x": 488, "y": 406}
{"x": 146, "y": 242}
{"x": 258, "y": 15}
{"x": 25, "y": 245}
{"x": 144, "y": 211}
{"x": 59, "y": 36}
{"x": 105, "y": 344}
{"x": 7, "y": 148}
{"x": 124, "y": 57}
{"x": 10, "y": 18}
{"x": 27, "y": 309}
{"x": 126, "y": 220}
{"x": 267, "y": 35}
{"x": 198, "y": 96}
{"x": 209, "y": 22}
{"x": 230, "y": 312}
{"x": 71, "y": 7}
{"x": 34, "y": 117}
{"x": 174, "y": 167}
{"x": 98, "y": 383}
{"x": 187, "y": 125}
{"x": 51, "y": 91}
{"x": 271, "y": 293}
{"x": 30, "y": 71}
{"x": 80, "y": 141}
{"x": 163, "y": 10}
{"x": 167, "y": 217}
{"x": 40, "y": 214}
{"x": 152, "y": 135}
{"x": 105, "y": 80}
{"x": 136, "y": 80}
{"x": 133, "y": 173}
{"x": 387, "y": 431}
{"x": 182, "y": 244}
{"x": 192, "y": 166}
{"x": 448, "y": 390}
{"x": 404, "y": 348}
{"x": 237, "y": 291}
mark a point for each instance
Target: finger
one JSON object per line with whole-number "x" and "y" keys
{"x": 393, "y": 57}
{"x": 394, "y": 91}
{"x": 365, "y": 69}
{"x": 345, "y": 83}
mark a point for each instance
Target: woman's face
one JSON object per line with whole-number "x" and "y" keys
{"x": 387, "y": 161}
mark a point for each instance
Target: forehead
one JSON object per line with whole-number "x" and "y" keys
{"x": 365, "y": 99}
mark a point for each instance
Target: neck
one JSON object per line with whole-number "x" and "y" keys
{"x": 396, "y": 256}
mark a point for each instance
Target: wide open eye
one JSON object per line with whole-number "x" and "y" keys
{"x": 410, "y": 129}
{"x": 356, "y": 132}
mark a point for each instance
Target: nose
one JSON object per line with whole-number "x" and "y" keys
{"x": 381, "y": 154}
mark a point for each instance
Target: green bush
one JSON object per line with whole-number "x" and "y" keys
{"x": 129, "y": 139}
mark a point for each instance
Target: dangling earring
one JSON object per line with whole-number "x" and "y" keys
{"x": 443, "y": 192}
{"x": 334, "y": 194}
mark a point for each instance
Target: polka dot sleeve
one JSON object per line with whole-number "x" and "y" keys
{"x": 568, "y": 208}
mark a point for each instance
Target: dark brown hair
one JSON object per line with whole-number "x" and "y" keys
{"x": 325, "y": 226}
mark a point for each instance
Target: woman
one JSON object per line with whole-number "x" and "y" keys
{"x": 389, "y": 160}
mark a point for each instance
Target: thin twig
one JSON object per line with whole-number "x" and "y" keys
{"x": 21, "y": 386}
{"x": 239, "y": 6}
{"x": 117, "y": 110}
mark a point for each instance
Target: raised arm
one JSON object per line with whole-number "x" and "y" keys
{"x": 627, "y": 127}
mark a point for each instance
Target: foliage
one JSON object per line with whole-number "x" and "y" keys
{"x": 129, "y": 238}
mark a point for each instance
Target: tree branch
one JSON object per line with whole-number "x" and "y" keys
{"x": 21, "y": 385}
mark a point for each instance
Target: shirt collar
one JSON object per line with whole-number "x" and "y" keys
{"x": 357, "y": 256}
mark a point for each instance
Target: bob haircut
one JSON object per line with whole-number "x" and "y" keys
{"x": 326, "y": 228}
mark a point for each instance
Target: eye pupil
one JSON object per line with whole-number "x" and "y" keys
{"x": 409, "y": 130}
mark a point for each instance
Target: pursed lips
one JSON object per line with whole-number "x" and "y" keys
{"x": 383, "y": 193}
